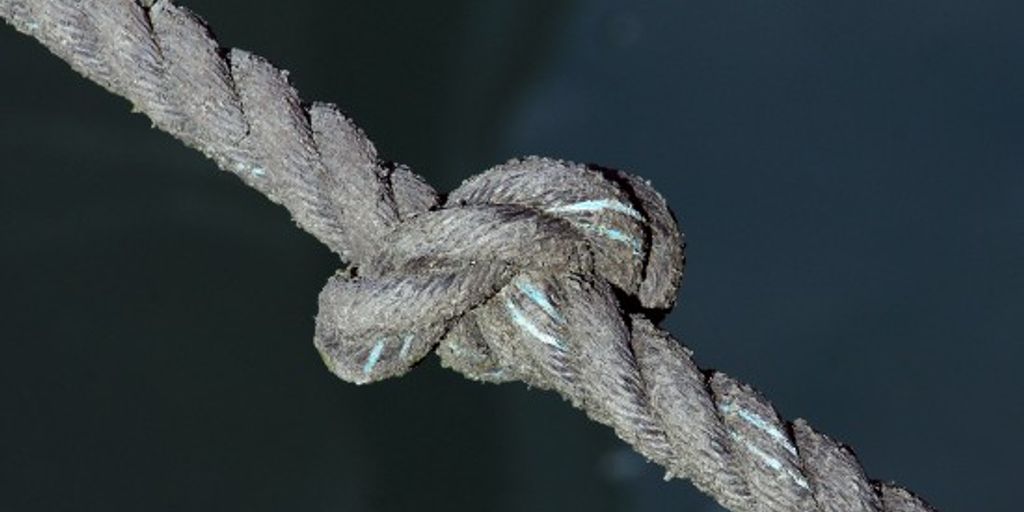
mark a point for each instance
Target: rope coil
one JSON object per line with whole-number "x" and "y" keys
{"x": 537, "y": 270}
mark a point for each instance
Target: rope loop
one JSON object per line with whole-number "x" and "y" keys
{"x": 518, "y": 265}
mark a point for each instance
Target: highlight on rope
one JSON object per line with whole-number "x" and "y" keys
{"x": 538, "y": 270}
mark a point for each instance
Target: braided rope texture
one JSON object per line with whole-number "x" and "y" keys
{"x": 537, "y": 270}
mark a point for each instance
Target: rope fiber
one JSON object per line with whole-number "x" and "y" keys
{"x": 537, "y": 270}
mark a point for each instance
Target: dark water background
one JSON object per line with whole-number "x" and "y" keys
{"x": 848, "y": 175}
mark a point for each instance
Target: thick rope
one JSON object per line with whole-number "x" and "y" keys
{"x": 537, "y": 270}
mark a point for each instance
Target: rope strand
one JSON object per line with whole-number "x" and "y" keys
{"x": 537, "y": 270}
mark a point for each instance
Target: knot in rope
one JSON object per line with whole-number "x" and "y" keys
{"x": 537, "y": 270}
{"x": 524, "y": 269}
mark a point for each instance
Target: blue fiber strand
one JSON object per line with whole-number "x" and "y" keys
{"x": 525, "y": 324}
{"x": 375, "y": 352}
{"x": 405, "y": 346}
{"x": 541, "y": 299}
{"x": 595, "y": 205}
{"x": 761, "y": 424}
{"x": 619, "y": 236}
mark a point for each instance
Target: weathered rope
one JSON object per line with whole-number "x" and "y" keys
{"x": 537, "y": 270}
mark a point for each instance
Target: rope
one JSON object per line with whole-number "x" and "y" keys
{"x": 537, "y": 270}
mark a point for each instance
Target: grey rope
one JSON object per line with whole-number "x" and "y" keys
{"x": 537, "y": 270}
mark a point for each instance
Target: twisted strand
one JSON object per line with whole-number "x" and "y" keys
{"x": 237, "y": 109}
{"x": 539, "y": 271}
{"x": 732, "y": 444}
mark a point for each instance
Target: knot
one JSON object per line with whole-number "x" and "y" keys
{"x": 510, "y": 279}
